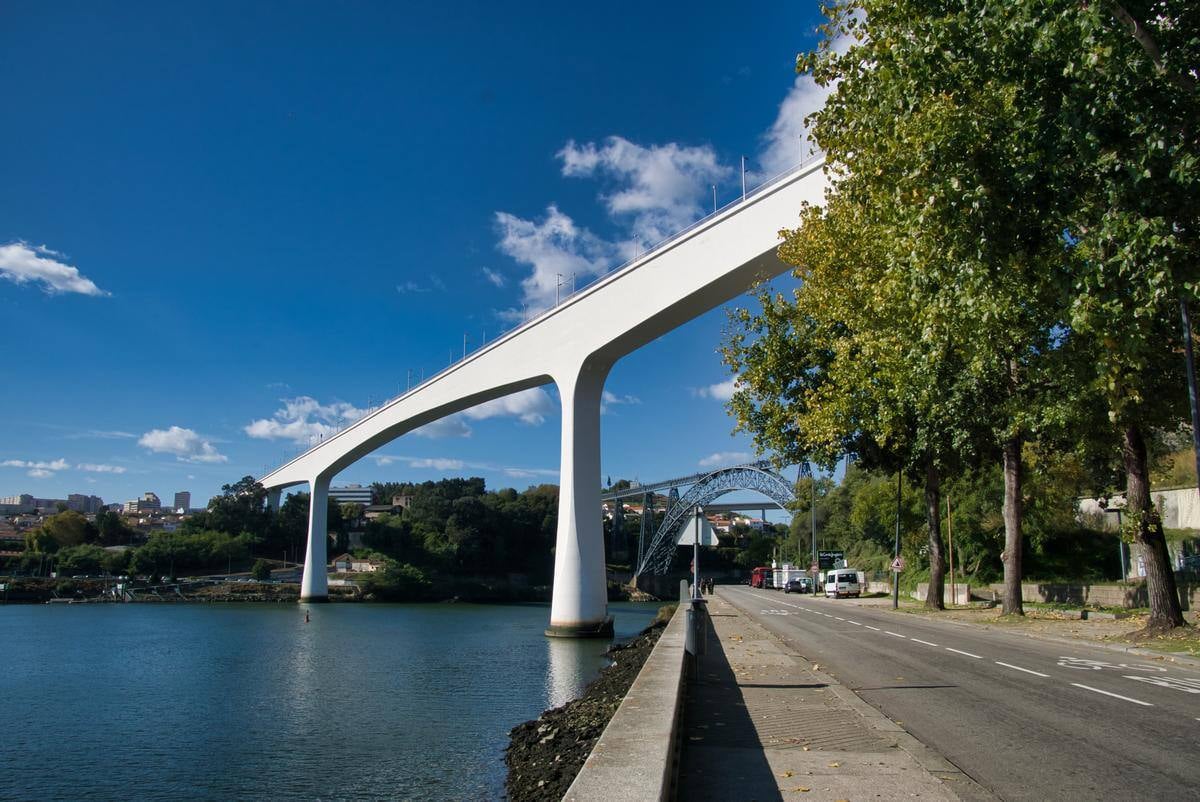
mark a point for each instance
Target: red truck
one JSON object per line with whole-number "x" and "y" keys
{"x": 759, "y": 577}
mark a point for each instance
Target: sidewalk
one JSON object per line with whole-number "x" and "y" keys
{"x": 761, "y": 723}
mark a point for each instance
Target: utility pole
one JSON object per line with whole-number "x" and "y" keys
{"x": 743, "y": 178}
{"x": 950, "y": 537}
{"x": 714, "y": 188}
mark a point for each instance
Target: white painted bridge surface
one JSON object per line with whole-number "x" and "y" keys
{"x": 574, "y": 345}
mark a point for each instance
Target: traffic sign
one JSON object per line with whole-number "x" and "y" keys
{"x": 898, "y": 564}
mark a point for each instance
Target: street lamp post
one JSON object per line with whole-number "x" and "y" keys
{"x": 896, "y": 574}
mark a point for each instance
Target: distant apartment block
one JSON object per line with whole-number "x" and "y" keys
{"x": 149, "y": 502}
{"x": 25, "y": 504}
{"x": 183, "y": 501}
{"x": 351, "y": 493}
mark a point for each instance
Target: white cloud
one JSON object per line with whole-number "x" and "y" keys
{"x": 612, "y": 399}
{"x": 721, "y": 391}
{"x": 493, "y": 276}
{"x": 39, "y": 473}
{"x": 556, "y": 249}
{"x": 185, "y": 444}
{"x": 21, "y": 264}
{"x": 438, "y": 463}
{"x": 725, "y": 458}
{"x": 528, "y": 406}
{"x": 449, "y": 426}
{"x": 789, "y": 136}
{"x": 304, "y": 419}
{"x": 55, "y": 465}
{"x": 663, "y": 188}
{"x": 408, "y": 287}
{"x": 96, "y": 468}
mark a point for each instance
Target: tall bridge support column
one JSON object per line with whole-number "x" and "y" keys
{"x": 314, "y": 585}
{"x": 579, "y": 606}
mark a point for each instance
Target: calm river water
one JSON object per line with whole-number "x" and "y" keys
{"x": 243, "y": 701}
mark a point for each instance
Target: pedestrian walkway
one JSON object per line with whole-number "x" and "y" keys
{"x": 762, "y": 723}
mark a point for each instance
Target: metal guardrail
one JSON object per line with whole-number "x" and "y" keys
{"x": 575, "y": 293}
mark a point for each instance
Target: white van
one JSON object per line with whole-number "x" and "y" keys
{"x": 842, "y": 582}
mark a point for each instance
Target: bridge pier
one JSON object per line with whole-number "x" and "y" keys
{"x": 579, "y": 605}
{"x": 314, "y": 585}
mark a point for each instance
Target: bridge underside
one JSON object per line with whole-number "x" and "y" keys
{"x": 573, "y": 345}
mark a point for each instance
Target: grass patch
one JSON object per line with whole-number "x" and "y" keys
{"x": 1182, "y": 640}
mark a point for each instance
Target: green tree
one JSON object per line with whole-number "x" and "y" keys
{"x": 261, "y": 570}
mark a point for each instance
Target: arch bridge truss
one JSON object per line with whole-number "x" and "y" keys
{"x": 754, "y": 476}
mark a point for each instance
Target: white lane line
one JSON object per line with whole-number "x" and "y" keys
{"x": 839, "y": 618}
{"x": 927, "y": 643}
{"x": 848, "y": 621}
{"x": 1026, "y": 670}
{"x": 960, "y": 651}
{"x": 868, "y": 626}
{"x": 1114, "y": 695}
{"x": 894, "y": 634}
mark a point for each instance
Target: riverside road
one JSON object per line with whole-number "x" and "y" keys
{"x": 1026, "y": 718}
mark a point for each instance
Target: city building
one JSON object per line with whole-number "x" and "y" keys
{"x": 183, "y": 501}
{"x": 351, "y": 493}
{"x": 88, "y": 505}
{"x": 149, "y": 502}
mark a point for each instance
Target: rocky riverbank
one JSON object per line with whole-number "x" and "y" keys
{"x": 544, "y": 755}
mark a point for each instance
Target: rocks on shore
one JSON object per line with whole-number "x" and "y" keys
{"x": 544, "y": 755}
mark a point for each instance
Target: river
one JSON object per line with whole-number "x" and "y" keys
{"x": 247, "y": 701}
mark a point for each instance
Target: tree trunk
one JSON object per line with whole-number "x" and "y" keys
{"x": 1165, "y": 610}
{"x": 937, "y": 565}
{"x": 1013, "y": 604}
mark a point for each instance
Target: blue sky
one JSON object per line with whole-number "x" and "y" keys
{"x": 227, "y": 227}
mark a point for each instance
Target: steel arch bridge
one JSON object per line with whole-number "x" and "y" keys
{"x": 754, "y": 476}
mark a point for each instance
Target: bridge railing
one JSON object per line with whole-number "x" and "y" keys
{"x": 758, "y": 189}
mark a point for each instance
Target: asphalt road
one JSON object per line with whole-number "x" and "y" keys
{"x": 1026, "y": 718}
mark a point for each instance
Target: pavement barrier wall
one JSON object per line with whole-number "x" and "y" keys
{"x": 1131, "y": 594}
{"x": 635, "y": 757}
{"x": 962, "y": 593}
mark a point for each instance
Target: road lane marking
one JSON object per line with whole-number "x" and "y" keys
{"x": 1026, "y": 670}
{"x": 868, "y": 626}
{"x": 960, "y": 651}
{"x": 894, "y": 634}
{"x": 848, "y": 621}
{"x": 839, "y": 618}
{"x": 1114, "y": 695}
{"x": 927, "y": 643}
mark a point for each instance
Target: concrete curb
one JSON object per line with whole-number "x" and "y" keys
{"x": 635, "y": 757}
{"x": 954, "y": 779}
{"x": 1183, "y": 660}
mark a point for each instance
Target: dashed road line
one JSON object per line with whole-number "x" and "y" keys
{"x": 868, "y": 626}
{"x": 839, "y": 618}
{"x": 1114, "y": 695}
{"x": 960, "y": 651}
{"x": 1026, "y": 670}
{"x": 848, "y": 621}
{"x": 927, "y": 643}
{"x": 894, "y": 634}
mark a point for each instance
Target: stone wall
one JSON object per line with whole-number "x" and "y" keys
{"x": 962, "y": 591}
{"x": 1132, "y": 594}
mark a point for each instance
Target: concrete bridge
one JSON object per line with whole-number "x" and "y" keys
{"x": 573, "y": 345}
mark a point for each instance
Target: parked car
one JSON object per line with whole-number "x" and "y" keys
{"x": 798, "y": 586}
{"x": 842, "y": 582}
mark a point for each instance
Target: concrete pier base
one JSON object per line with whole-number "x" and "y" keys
{"x": 603, "y": 629}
